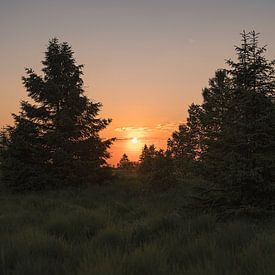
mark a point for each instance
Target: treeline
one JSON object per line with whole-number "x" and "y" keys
{"x": 228, "y": 140}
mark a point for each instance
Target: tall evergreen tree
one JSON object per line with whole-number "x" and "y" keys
{"x": 56, "y": 139}
{"x": 217, "y": 99}
{"x": 238, "y": 130}
{"x": 248, "y": 138}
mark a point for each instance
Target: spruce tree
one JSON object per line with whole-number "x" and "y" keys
{"x": 146, "y": 159}
{"x": 238, "y": 129}
{"x": 125, "y": 163}
{"x": 217, "y": 98}
{"x": 248, "y": 138}
{"x": 55, "y": 139}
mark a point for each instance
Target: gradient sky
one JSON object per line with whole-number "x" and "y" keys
{"x": 145, "y": 60}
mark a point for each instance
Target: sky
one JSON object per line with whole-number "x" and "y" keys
{"x": 146, "y": 61}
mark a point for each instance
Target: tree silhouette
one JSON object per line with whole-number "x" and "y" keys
{"x": 236, "y": 131}
{"x": 181, "y": 150}
{"x": 56, "y": 139}
{"x": 156, "y": 168}
{"x": 248, "y": 139}
{"x": 125, "y": 163}
{"x": 146, "y": 159}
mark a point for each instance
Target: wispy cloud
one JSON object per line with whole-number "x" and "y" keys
{"x": 170, "y": 126}
{"x": 133, "y": 129}
{"x": 143, "y": 132}
{"x": 143, "y": 138}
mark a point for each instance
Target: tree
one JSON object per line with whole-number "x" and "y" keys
{"x": 248, "y": 139}
{"x": 125, "y": 163}
{"x": 217, "y": 99}
{"x": 56, "y": 139}
{"x": 146, "y": 159}
{"x": 156, "y": 168}
{"x": 237, "y": 123}
{"x": 181, "y": 150}
{"x": 162, "y": 175}
{"x": 196, "y": 130}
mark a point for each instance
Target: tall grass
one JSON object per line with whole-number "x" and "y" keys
{"x": 120, "y": 229}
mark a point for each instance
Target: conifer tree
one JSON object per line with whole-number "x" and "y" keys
{"x": 237, "y": 125}
{"x": 156, "y": 168}
{"x": 55, "y": 139}
{"x": 181, "y": 150}
{"x": 248, "y": 139}
{"x": 162, "y": 176}
{"x": 217, "y": 98}
{"x": 196, "y": 130}
{"x": 146, "y": 159}
{"x": 125, "y": 163}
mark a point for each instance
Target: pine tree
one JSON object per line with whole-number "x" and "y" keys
{"x": 146, "y": 159}
{"x": 248, "y": 140}
{"x": 181, "y": 150}
{"x": 56, "y": 139}
{"x": 217, "y": 98}
{"x": 239, "y": 131}
{"x": 125, "y": 163}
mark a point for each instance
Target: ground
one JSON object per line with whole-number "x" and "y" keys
{"x": 121, "y": 228}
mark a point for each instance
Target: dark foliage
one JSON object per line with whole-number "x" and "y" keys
{"x": 156, "y": 168}
{"x": 181, "y": 151}
{"x": 125, "y": 163}
{"x": 235, "y": 132}
{"x": 146, "y": 159}
{"x": 55, "y": 140}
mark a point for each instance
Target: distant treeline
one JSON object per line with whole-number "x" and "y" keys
{"x": 228, "y": 140}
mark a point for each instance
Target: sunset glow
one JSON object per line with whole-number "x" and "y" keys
{"x": 145, "y": 61}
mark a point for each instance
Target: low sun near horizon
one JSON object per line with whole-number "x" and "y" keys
{"x": 145, "y": 75}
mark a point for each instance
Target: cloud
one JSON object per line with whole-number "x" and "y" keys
{"x": 133, "y": 129}
{"x": 170, "y": 126}
{"x": 144, "y": 140}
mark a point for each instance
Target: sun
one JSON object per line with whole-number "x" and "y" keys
{"x": 134, "y": 140}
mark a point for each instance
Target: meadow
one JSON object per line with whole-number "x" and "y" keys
{"x": 122, "y": 228}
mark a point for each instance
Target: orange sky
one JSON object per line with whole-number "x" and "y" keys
{"x": 146, "y": 61}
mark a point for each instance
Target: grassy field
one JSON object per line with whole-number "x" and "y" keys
{"x": 120, "y": 229}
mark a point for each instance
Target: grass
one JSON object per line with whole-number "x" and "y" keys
{"x": 120, "y": 229}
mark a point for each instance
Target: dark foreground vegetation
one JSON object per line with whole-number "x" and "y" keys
{"x": 124, "y": 229}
